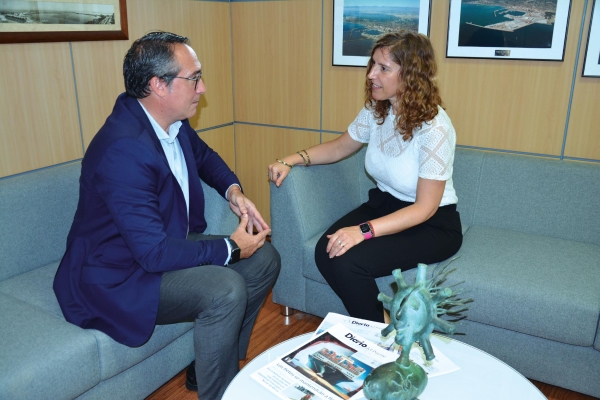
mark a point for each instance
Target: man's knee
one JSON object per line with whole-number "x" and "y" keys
{"x": 231, "y": 296}
{"x": 226, "y": 310}
{"x": 269, "y": 260}
{"x": 234, "y": 289}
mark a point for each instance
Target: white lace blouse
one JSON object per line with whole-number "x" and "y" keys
{"x": 396, "y": 164}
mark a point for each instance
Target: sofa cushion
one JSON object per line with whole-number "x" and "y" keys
{"x": 539, "y": 196}
{"x": 532, "y": 284}
{"x": 139, "y": 381}
{"x": 116, "y": 357}
{"x": 466, "y": 175}
{"x": 49, "y": 358}
{"x": 35, "y": 288}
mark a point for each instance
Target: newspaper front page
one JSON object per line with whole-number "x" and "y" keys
{"x": 332, "y": 365}
{"x": 371, "y": 331}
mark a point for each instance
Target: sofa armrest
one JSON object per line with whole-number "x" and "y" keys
{"x": 308, "y": 202}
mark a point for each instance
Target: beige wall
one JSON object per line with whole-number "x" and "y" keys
{"x": 507, "y": 104}
{"x": 55, "y": 96}
{"x": 98, "y": 65}
{"x": 510, "y": 105}
{"x": 272, "y": 89}
{"x": 38, "y": 107}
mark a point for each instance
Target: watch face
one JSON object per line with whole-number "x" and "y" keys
{"x": 235, "y": 255}
{"x": 364, "y": 228}
{"x": 235, "y": 252}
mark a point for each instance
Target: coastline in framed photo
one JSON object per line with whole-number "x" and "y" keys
{"x": 23, "y": 21}
{"x": 508, "y": 29}
{"x": 591, "y": 65}
{"x": 357, "y": 24}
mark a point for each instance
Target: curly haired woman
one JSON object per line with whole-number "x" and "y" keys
{"x": 411, "y": 215}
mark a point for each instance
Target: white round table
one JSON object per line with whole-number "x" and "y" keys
{"x": 481, "y": 376}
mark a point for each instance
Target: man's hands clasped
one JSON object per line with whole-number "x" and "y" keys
{"x": 250, "y": 218}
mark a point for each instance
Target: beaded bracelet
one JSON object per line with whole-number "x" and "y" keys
{"x": 283, "y": 162}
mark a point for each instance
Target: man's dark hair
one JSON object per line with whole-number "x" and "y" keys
{"x": 151, "y": 55}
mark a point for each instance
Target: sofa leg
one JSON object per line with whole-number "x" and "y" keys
{"x": 286, "y": 311}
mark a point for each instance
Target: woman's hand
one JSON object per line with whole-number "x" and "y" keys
{"x": 324, "y": 153}
{"x": 343, "y": 240}
{"x": 278, "y": 172}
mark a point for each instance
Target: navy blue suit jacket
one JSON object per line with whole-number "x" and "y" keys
{"x": 131, "y": 225}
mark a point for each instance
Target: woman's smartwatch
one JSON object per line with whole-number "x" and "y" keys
{"x": 365, "y": 229}
{"x": 235, "y": 252}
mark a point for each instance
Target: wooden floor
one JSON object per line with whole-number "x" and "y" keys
{"x": 272, "y": 328}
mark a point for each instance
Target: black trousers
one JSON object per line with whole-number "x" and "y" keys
{"x": 352, "y": 275}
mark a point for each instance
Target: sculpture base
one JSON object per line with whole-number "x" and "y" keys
{"x": 393, "y": 381}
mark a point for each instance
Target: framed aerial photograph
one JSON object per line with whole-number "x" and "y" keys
{"x": 357, "y": 24}
{"x": 591, "y": 65}
{"x": 23, "y": 21}
{"x": 508, "y": 29}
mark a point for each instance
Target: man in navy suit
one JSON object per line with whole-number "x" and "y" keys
{"x": 136, "y": 256}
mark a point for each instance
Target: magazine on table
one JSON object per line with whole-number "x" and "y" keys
{"x": 371, "y": 331}
{"x": 332, "y": 365}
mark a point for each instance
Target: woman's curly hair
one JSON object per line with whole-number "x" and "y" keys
{"x": 418, "y": 95}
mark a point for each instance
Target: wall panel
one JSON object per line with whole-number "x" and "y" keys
{"x": 506, "y": 104}
{"x": 328, "y": 137}
{"x": 210, "y": 32}
{"x": 500, "y": 104}
{"x": 343, "y": 87}
{"x": 222, "y": 141}
{"x": 583, "y": 138}
{"x": 37, "y": 107}
{"x": 98, "y": 65}
{"x": 257, "y": 147}
{"x": 281, "y": 75}
{"x": 99, "y": 76}
{"x": 276, "y": 62}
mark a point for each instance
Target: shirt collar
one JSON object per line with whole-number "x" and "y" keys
{"x": 160, "y": 132}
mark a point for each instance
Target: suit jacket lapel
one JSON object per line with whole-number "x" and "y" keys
{"x": 148, "y": 136}
{"x": 190, "y": 160}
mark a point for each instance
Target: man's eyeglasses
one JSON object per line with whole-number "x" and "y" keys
{"x": 195, "y": 79}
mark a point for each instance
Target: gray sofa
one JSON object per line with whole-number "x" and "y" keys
{"x": 41, "y": 355}
{"x": 530, "y": 259}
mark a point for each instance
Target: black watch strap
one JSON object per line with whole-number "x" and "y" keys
{"x": 235, "y": 252}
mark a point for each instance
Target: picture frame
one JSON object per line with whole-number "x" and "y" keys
{"x": 516, "y": 31}
{"x": 591, "y": 63}
{"x": 29, "y": 21}
{"x": 363, "y": 21}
